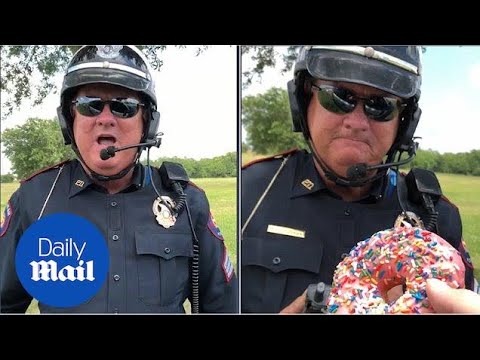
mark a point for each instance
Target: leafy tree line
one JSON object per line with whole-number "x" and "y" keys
{"x": 466, "y": 163}
{"x": 7, "y": 178}
{"x": 217, "y": 167}
{"x": 38, "y": 144}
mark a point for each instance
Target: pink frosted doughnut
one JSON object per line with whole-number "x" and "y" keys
{"x": 403, "y": 255}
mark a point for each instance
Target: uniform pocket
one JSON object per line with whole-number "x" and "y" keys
{"x": 267, "y": 266}
{"x": 278, "y": 255}
{"x": 163, "y": 265}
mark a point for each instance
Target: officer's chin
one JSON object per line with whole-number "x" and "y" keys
{"x": 108, "y": 167}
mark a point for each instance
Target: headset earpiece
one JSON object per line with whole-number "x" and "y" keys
{"x": 153, "y": 127}
{"x": 63, "y": 126}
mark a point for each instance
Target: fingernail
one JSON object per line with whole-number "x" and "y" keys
{"x": 437, "y": 283}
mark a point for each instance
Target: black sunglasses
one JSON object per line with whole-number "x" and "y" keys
{"x": 120, "y": 107}
{"x": 342, "y": 101}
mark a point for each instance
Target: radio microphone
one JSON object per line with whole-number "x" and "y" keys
{"x": 110, "y": 151}
{"x": 107, "y": 153}
{"x": 359, "y": 171}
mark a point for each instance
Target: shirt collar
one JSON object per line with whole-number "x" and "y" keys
{"x": 307, "y": 180}
{"x": 81, "y": 181}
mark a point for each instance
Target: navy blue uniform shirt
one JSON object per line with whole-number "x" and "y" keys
{"x": 301, "y": 230}
{"x": 149, "y": 265}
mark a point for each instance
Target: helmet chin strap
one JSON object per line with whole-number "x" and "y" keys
{"x": 101, "y": 177}
{"x": 340, "y": 180}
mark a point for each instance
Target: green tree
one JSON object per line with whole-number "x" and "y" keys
{"x": 245, "y": 147}
{"x": 267, "y": 121}
{"x": 217, "y": 167}
{"x": 34, "y": 145}
{"x": 427, "y": 159}
{"x": 265, "y": 57}
{"x": 7, "y": 178}
{"x": 22, "y": 64}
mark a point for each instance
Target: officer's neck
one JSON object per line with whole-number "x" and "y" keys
{"x": 349, "y": 194}
{"x": 113, "y": 186}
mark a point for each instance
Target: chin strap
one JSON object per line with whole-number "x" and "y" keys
{"x": 101, "y": 177}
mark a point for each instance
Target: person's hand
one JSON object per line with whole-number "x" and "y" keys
{"x": 296, "y": 306}
{"x": 445, "y": 299}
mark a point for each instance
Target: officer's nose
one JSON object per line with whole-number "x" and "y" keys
{"x": 357, "y": 119}
{"x": 106, "y": 117}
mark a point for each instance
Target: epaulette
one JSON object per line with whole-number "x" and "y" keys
{"x": 272, "y": 157}
{"x": 44, "y": 170}
{"x": 195, "y": 186}
{"x": 448, "y": 201}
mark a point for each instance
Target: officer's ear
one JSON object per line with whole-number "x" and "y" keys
{"x": 307, "y": 86}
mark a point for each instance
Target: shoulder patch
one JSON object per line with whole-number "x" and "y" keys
{"x": 227, "y": 265}
{"x": 213, "y": 227}
{"x": 195, "y": 186}
{"x": 272, "y": 157}
{"x": 44, "y": 170}
{"x": 7, "y": 215}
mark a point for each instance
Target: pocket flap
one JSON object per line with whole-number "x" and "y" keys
{"x": 279, "y": 254}
{"x": 166, "y": 245}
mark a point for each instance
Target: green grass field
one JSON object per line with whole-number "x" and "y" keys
{"x": 222, "y": 195}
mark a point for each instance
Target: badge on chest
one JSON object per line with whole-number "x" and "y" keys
{"x": 163, "y": 211}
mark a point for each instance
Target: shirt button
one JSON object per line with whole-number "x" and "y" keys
{"x": 115, "y": 311}
{"x": 115, "y": 237}
{"x": 276, "y": 260}
{"x": 167, "y": 250}
{"x": 113, "y": 203}
{"x": 116, "y": 277}
{"x": 347, "y": 212}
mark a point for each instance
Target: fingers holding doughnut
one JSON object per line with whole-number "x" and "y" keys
{"x": 387, "y": 273}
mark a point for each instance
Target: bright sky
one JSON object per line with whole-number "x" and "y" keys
{"x": 197, "y": 100}
{"x": 450, "y": 119}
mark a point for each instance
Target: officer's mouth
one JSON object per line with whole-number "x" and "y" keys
{"x": 107, "y": 140}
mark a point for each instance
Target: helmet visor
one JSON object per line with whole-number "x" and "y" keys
{"x": 348, "y": 67}
{"x": 114, "y": 77}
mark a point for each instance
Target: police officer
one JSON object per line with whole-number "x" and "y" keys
{"x": 108, "y": 103}
{"x": 357, "y": 107}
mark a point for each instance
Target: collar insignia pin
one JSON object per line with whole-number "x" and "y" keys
{"x": 308, "y": 184}
{"x": 80, "y": 183}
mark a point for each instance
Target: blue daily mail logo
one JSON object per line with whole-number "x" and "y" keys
{"x": 62, "y": 260}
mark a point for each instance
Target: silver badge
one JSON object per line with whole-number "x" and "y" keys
{"x": 109, "y": 51}
{"x": 162, "y": 213}
{"x": 408, "y": 219}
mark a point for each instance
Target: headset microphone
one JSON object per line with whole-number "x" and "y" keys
{"x": 359, "y": 171}
{"x": 110, "y": 151}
